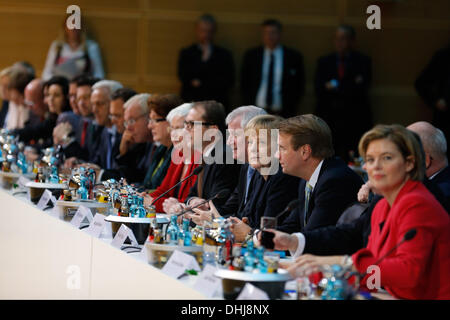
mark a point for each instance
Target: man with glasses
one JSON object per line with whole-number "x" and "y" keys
{"x": 205, "y": 129}
{"x": 99, "y": 138}
{"x": 136, "y": 145}
{"x": 116, "y": 108}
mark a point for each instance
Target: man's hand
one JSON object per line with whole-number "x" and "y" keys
{"x": 282, "y": 241}
{"x": 126, "y": 142}
{"x": 147, "y": 199}
{"x": 239, "y": 228}
{"x": 363, "y": 193}
{"x": 172, "y": 205}
{"x": 441, "y": 105}
{"x": 196, "y": 201}
{"x": 196, "y": 83}
{"x": 71, "y": 162}
{"x": 308, "y": 263}
{"x": 61, "y": 132}
{"x": 199, "y": 216}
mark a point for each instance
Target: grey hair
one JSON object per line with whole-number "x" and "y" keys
{"x": 247, "y": 113}
{"x": 437, "y": 143}
{"x": 180, "y": 111}
{"x": 141, "y": 99}
{"x": 111, "y": 86}
{"x": 433, "y": 139}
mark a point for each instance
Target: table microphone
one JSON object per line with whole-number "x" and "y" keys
{"x": 291, "y": 206}
{"x": 224, "y": 193}
{"x": 194, "y": 173}
{"x": 410, "y": 234}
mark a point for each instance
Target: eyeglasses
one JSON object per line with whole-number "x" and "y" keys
{"x": 114, "y": 116}
{"x": 154, "y": 121}
{"x": 190, "y": 124}
{"x": 133, "y": 121}
{"x": 29, "y": 103}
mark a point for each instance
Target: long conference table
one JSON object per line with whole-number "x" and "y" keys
{"x": 43, "y": 257}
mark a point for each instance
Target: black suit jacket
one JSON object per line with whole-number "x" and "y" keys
{"x": 133, "y": 165}
{"x": 93, "y": 139}
{"x": 336, "y": 189}
{"x": 216, "y": 74}
{"x": 267, "y": 198}
{"x": 39, "y": 130}
{"x": 3, "y": 112}
{"x": 433, "y": 84}
{"x": 292, "y": 83}
{"x": 217, "y": 176}
{"x": 442, "y": 180}
{"x": 100, "y": 157}
{"x": 235, "y": 203}
{"x": 349, "y": 238}
{"x": 349, "y": 103}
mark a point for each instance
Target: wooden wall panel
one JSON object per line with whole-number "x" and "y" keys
{"x": 140, "y": 39}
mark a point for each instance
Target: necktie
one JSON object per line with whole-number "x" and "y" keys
{"x": 109, "y": 151}
{"x": 250, "y": 172}
{"x": 341, "y": 68}
{"x": 200, "y": 184}
{"x": 308, "y": 191}
{"x": 269, "y": 93}
{"x": 83, "y": 133}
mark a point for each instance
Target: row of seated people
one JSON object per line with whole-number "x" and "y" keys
{"x": 265, "y": 161}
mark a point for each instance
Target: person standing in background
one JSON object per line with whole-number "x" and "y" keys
{"x": 72, "y": 55}
{"x": 206, "y": 71}
{"x": 273, "y": 75}
{"x": 433, "y": 86}
{"x": 342, "y": 84}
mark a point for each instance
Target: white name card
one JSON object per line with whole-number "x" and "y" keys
{"x": 22, "y": 182}
{"x": 122, "y": 235}
{"x": 45, "y": 198}
{"x": 96, "y": 227}
{"x": 178, "y": 263}
{"x": 250, "y": 292}
{"x": 79, "y": 216}
{"x": 207, "y": 283}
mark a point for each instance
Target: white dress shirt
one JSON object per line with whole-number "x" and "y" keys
{"x": 16, "y": 117}
{"x": 278, "y": 76}
{"x": 301, "y": 238}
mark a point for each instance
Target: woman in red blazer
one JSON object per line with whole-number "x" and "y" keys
{"x": 179, "y": 168}
{"x": 418, "y": 268}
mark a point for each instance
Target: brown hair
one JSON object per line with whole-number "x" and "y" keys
{"x": 162, "y": 104}
{"x": 309, "y": 129}
{"x": 213, "y": 112}
{"x": 19, "y": 80}
{"x": 407, "y": 143}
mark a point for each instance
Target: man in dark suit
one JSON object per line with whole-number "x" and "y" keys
{"x": 350, "y": 237}
{"x": 273, "y": 75}
{"x": 433, "y": 85}
{"x": 328, "y": 186}
{"x": 206, "y": 71}
{"x": 136, "y": 146}
{"x": 204, "y": 129}
{"x": 342, "y": 84}
{"x": 436, "y": 161}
